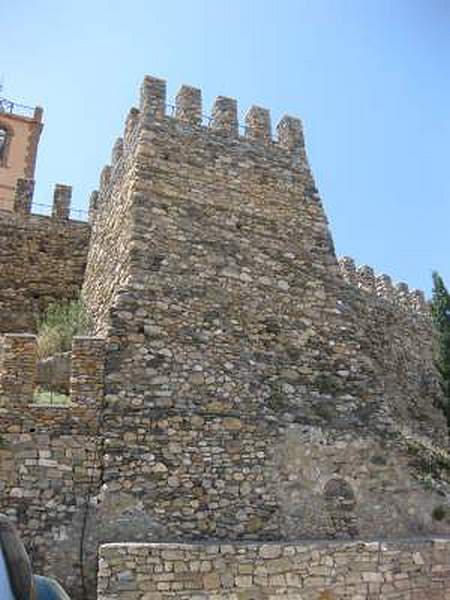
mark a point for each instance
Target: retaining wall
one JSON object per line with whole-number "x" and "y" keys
{"x": 359, "y": 570}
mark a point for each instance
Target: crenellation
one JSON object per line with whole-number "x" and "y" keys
{"x": 366, "y": 278}
{"x": 348, "y": 268}
{"x": 381, "y": 286}
{"x": 418, "y": 301}
{"x": 62, "y": 197}
{"x": 290, "y": 134}
{"x": 402, "y": 288}
{"x": 23, "y": 197}
{"x": 384, "y": 288}
{"x": 153, "y": 98}
{"x": 402, "y": 295}
{"x": 105, "y": 178}
{"x": 188, "y": 105}
{"x": 224, "y": 116}
{"x": 223, "y": 119}
{"x": 93, "y": 206}
{"x": 258, "y": 124}
{"x": 117, "y": 151}
{"x": 131, "y": 126}
{"x": 384, "y": 284}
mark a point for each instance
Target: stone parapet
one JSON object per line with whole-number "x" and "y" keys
{"x": 290, "y": 133}
{"x": 105, "y": 178}
{"x": 93, "y": 205}
{"x": 61, "y": 201}
{"x": 153, "y": 98}
{"x": 188, "y": 104}
{"x": 117, "y": 151}
{"x": 23, "y": 200}
{"x": 23, "y": 197}
{"x": 223, "y": 120}
{"x": 224, "y": 116}
{"x": 257, "y": 124}
{"x": 131, "y": 123}
{"x": 364, "y": 277}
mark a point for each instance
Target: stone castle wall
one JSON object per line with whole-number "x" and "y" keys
{"x": 314, "y": 570}
{"x": 255, "y": 388}
{"x": 398, "y": 335}
{"x": 50, "y": 466}
{"x": 111, "y": 215}
{"x": 249, "y": 385}
{"x": 42, "y": 259}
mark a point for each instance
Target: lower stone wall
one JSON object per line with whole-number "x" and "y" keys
{"x": 50, "y": 463}
{"x": 49, "y": 472}
{"x": 408, "y": 569}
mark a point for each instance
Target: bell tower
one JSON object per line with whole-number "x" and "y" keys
{"x": 20, "y": 129}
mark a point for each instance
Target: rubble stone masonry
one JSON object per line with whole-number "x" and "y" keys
{"x": 417, "y": 570}
{"x": 245, "y": 389}
{"x": 42, "y": 259}
{"x": 49, "y": 461}
{"x": 255, "y": 389}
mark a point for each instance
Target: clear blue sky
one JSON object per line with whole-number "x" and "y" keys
{"x": 369, "y": 78}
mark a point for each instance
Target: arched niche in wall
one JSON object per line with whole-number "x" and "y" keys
{"x": 339, "y": 494}
{"x": 340, "y": 502}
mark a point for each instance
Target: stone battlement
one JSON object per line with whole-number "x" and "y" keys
{"x": 380, "y": 285}
{"x": 252, "y": 143}
{"x": 188, "y": 111}
{"x": 23, "y": 200}
{"x": 215, "y": 171}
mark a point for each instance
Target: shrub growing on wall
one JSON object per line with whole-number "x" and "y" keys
{"x": 440, "y": 310}
{"x": 60, "y": 323}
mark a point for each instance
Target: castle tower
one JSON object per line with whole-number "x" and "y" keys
{"x": 238, "y": 359}
{"x": 20, "y": 129}
{"x": 248, "y": 387}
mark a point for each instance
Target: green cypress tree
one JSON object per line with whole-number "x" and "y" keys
{"x": 440, "y": 310}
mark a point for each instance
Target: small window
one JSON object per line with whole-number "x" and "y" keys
{"x": 3, "y": 144}
{"x": 3, "y": 136}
